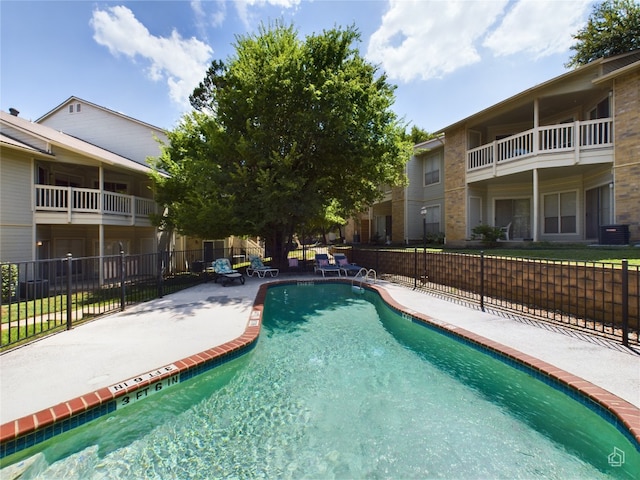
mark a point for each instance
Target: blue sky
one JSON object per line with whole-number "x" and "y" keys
{"x": 448, "y": 58}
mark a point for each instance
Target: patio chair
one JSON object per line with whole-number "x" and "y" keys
{"x": 323, "y": 265}
{"x": 222, "y": 270}
{"x": 343, "y": 262}
{"x": 259, "y": 268}
{"x": 505, "y": 231}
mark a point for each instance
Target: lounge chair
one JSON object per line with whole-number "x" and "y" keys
{"x": 222, "y": 270}
{"x": 260, "y": 269}
{"x": 323, "y": 265}
{"x": 343, "y": 262}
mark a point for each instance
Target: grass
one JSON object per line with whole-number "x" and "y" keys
{"x": 573, "y": 253}
{"x": 38, "y": 307}
{"x": 604, "y": 255}
{"x": 92, "y": 303}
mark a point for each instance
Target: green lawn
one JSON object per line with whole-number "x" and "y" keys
{"x": 569, "y": 253}
{"x": 588, "y": 254}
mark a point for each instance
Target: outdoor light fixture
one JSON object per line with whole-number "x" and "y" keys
{"x": 423, "y": 212}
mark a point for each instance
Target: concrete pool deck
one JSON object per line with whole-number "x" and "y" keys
{"x": 147, "y": 336}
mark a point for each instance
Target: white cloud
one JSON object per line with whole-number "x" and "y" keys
{"x": 428, "y": 39}
{"x": 538, "y": 27}
{"x": 242, "y": 7}
{"x": 182, "y": 62}
{"x": 206, "y": 19}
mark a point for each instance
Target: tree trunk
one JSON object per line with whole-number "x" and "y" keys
{"x": 276, "y": 247}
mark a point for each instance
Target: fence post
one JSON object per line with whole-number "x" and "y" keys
{"x": 122, "y": 278}
{"x": 69, "y": 273}
{"x": 482, "y": 280}
{"x": 159, "y": 263}
{"x": 625, "y": 302}
{"x": 415, "y": 268}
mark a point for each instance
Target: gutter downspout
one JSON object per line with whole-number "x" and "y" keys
{"x": 536, "y": 205}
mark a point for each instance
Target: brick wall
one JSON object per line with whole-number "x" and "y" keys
{"x": 455, "y": 198}
{"x": 627, "y": 152}
{"x": 589, "y": 292}
{"x": 397, "y": 214}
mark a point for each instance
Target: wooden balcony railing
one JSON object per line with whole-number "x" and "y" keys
{"x": 86, "y": 200}
{"x": 577, "y": 137}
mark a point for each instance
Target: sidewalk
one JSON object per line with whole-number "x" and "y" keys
{"x": 120, "y": 346}
{"x": 156, "y": 333}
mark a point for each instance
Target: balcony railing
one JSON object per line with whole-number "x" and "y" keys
{"x": 71, "y": 200}
{"x": 565, "y": 137}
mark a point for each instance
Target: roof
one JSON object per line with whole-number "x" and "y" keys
{"x": 610, "y": 65}
{"x": 62, "y": 140}
{"x": 113, "y": 112}
{"x": 621, "y": 71}
{"x": 17, "y": 144}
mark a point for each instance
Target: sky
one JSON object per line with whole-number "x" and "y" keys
{"x": 447, "y": 58}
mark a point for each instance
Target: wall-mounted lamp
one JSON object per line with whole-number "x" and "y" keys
{"x": 423, "y": 212}
{"x": 39, "y": 243}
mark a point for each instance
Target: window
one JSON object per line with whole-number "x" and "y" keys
{"x": 115, "y": 187}
{"x": 70, "y": 108}
{"x": 432, "y": 219}
{"x": 601, "y": 110}
{"x": 78, "y": 107}
{"x": 432, "y": 169}
{"x": 560, "y": 211}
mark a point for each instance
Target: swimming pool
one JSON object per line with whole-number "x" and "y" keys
{"x": 340, "y": 385}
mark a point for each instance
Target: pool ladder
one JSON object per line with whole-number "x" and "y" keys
{"x": 363, "y": 276}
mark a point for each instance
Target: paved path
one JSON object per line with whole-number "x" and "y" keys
{"x": 156, "y": 333}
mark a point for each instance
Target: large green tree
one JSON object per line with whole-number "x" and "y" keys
{"x": 613, "y": 28}
{"x": 286, "y": 131}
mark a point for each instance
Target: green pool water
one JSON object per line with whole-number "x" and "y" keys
{"x": 340, "y": 386}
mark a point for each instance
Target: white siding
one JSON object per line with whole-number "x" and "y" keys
{"x": 16, "y": 218}
{"x": 415, "y": 198}
{"x": 418, "y": 195}
{"x": 118, "y": 134}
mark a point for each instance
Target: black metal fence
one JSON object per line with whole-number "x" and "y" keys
{"x": 45, "y": 296}
{"x": 602, "y": 298}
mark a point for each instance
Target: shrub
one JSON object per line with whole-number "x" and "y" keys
{"x": 9, "y": 281}
{"x": 488, "y": 234}
{"x": 435, "y": 238}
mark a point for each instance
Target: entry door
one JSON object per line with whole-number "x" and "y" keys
{"x": 597, "y": 210}
{"x": 212, "y": 249}
{"x": 207, "y": 247}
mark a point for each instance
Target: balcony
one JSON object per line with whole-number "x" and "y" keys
{"x": 564, "y": 144}
{"x": 90, "y": 206}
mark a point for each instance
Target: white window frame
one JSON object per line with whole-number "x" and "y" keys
{"x": 559, "y": 213}
{"x": 430, "y": 161}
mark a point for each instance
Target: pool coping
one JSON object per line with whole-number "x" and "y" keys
{"x": 27, "y": 431}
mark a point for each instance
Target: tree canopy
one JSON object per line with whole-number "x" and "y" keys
{"x": 286, "y": 131}
{"x": 418, "y": 135}
{"x": 613, "y": 28}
